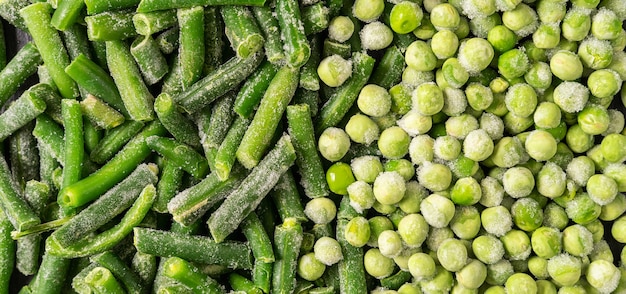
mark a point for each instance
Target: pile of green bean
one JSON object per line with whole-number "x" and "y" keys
{"x": 283, "y": 146}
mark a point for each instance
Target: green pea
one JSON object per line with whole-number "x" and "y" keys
{"x": 480, "y": 26}
{"x": 341, "y": 28}
{"x": 551, "y": 180}
{"x": 444, "y": 44}
{"x": 578, "y": 140}
{"x": 551, "y": 11}
{"x": 420, "y": 56}
{"x": 466, "y": 222}
{"x": 577, "y": 240}
{"x": 521, "y": 100}
{"x": 374, "y": 100}
{"x": 426, "y": 30}
{"x": 547, "y": 35}
{"x": 415, "y": 124}
{"x": 576, "y": 24}
{"x": 522, "y": 20}
{"x": 377, "y": 265}
{"x": 455, "y": 74}
{"x": 593, "y": 119}
{"x": 499, "y": 272}
{"x": 603, "y": 276}
{"x": 339, "y": 176}
{"x": 547, "y": 115}
{"x": 617, "y": 172}
{"x": 614, "y": 209}
{"x": 357, "y": 231}
{"x": 605, "y": 25}
{"x": 479, "y": 97}
{"x": 466, "y": 191}
{"x": 554, "y": 216}
{"x": 421, "y": 149}
{"x": 475, "y": 55}
{"x": 527, "y": 214}
{"x": 405, "y": 17}
{"x": 333, "y": 143}
{"x": 513, "y": 63}
{"x": 376, "y": 36}
{"x": 309, "y": 268}
{"x": 518, "y": 182}
{"x": 413, "y": 78}
{"x": 334, "y": 70}
{"x": 389, "y": 188}
{"x": 520, "y": 283}
{"x": 496, "y": 220}
{"x": 601, "y": 189}
{"x": 452, "y": 255}
{"x": 434, "y": 176}
{"x": 445, "y": 17}
{"x": 368, "y": 10}
{"x": 460, "y": 126}
{"x": 422, "y": 266}
{"x": 564, "y": 269}
{"x": 378, "y": 224}
{"x": 502, "y": 38}
{"x": 538, "y": 267}
{"x": 366, "y": 168}
{"x": 595, "y": 54}
{"x": 581, "y": 209}
{"x": 488, "y": 249}
{"x": 515, "y": 124}
{"x": 493, "y": 125}
{"x": 546, "y": 242}
{"x": 539, "y": 76}
{"x": 361, "y": 129}
{"x": 540, "y": 145}
{"x": 447, "y": 147}
{"x": 566, "y": 65}
{"x": 437, "y": 210}
{"x": 327, "y": 251}
{"x": 401, "y": 95}
{"x": 492, "y": 192}
{"x": 320, "y": 210}
{"x": 394, "y": 143}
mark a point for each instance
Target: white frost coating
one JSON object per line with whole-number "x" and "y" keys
{"x": 376, "y": 36}
{"x": 571, "y": 96}
{"x": 493, "y": 125}
{"x": 327, "y": 251}
{"x": 361, "y": 196}
{"x": 445, "y": 146}
{"x": 551, "y": 180}
{"x": 580, "y": 169}
{"x": 603, "y": 275}
{"x": 421, "y": 149}
{"x": 472, "y": 10}
{"x": 478, "y": 145}
{"x": 473, "y": 60}
{"x": 366, "y": 168}
{"x": 389, "y": 187}
{"x": 580, "y": 238}
{"x": 413, "y": 78}
{"x": 320, "y": 210}
{"x": 563, "y": 264}
{"x": 506, "y": 5}
{"x": 455, "y": 101}
{"x": 492, "y": 192}
{"x": 389, "y": 243}
{"x": 334, "y": 70}
{"x": 497, "y": 220}
{"x": 414, "y": 123}
{"x": 431, "y": 209}
{"x": 618, "y": 63}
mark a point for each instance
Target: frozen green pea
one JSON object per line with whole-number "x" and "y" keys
{"x": 566, "y": 65}
{"x": 538, "y": 267}
{"x": 618, "y": 229}
{"x": 478, "y": 96}
{"x": 618, "y": 63}
{"x": 493, "y": 125}
{"x": 604, "y": 83}
{"x": 413, "y": 196}
{"x": 597, "y": 230}
{"x": 437, "y": 210}
{"x": 593, "y": 119}
{"x": 603, "y": 276}
{"x": 434, "y": 176}
{"x": 488, "y": 249}
{"x": 551, "y": 180}
{"x": 546, "y": 242}
{"x": 554, "y": 216}
{"x": 362, "y": 129}
{"x": 577, "y": 240}
{"x": 499, "y": 272}
{"x": 445, "y": 17}
{"x": 578, "y": 140}
{"x": 444, "y": 44}
{"x": 475, "y": 55}
{"x": 409, "y": 288}
{"x": 447, "y": 147}
{"x": 327, "y": 251}
{"x": 513, "y": 63}
{"x": 617, "y": 122}
{"x": 550, "y": 11}
{"x": 422, "y": 266}
{"x": 357, "y": 231}
{"x": 518, "y": 182}
{"x": 366, "y": 168}
{"x": 522, "y": 20}
{"x": 425, "y": 30}
{"x": 506, "y": 5}
{"x": 421, "y": 149}
{"x": 361, "y": 196}
{"x": 389, "y": 243}
{"x": 494, "y": 289}
{"x": 460, "y": 126}
{"x": 516, "y": 124}
{"x": 341, "y": 28}
{"x": 565, "y": 269}
{"x": 377, "y": 265}
{"x": 368, "y": 10}
{"x": 502, "y": 38}
{"x": 540, "y": 145}
{"x": 374, "y": 100}
{"x": 378, "y": 224}
{"x": 415, "y": 124}
{"x": 576, "y": 24}
{"x": 452, "y": 254}
{"x": 595, "y": 54}
{"x": 492, "y": 192}
{"x": 601, "y": 189}
{"x": 466, "y": 222}
{"x": 455, "y": 102}
{"x": 516, "y": 245}
{"x": 472, "y": 275}
{"x": 480, "y": 26}
{"x": 498, "y": 86}
{"x": 605, "y": 25}
{"x": 389, "y": 188}
{"x": 334, "y": 70}
{"x": 521, "y": 99}
{"x": 614, "y": 209}
{"x": 496, "y": 220}
{"x": 320, "y": 210}
{"x": 420, "y": 56}
{"x": 466, "y": 191}
{"x": 454, "y": 73}
{"x": 478, "y": 145}
{"x": 478, "y": 8}
{"x": 394, "y": 142}
{"x": 405, "y": 17}
{"x": 402, "y": 166}
{"x": 527, "y": 214}
{"x": 547, "y": 35}
{"x": 617, "y": 172}
{"x": 413, "y": 229}
{"x": 428, "y": 99}
{"x": 339, "y": 176}
{"x": 581, "y": 209}
{"x": 333, "y": 143}
{"x": 547, "y": 115}
{"x": 376, "y": 36}
{"x": 309, "y": 268}
{"x": 520, "y": 283}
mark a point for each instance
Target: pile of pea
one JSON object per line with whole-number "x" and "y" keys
{"x": 490, "y": 156}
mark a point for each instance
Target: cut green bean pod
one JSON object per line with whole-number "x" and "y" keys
{"x": 21, "y": 112}
{"x": 73, "y": 146}
{"x": 53, "y": 53}
{"x": 180, "y": 154}
{"x": 232, "y": 254}
{"x": 297, "y": 49}
{"x": 220, "y": 121}
{"x": 149, "y": 58}
{"x": 177, "y": 124}
{"x": 50, "y": 137}
{"x": 315, "y": 18}
{"x": 287, "y": 242}
{"x": 150, "y": 23}
{"x": 24, "y": 155}
{"x": 242, "y": 284}
{"x": 115, "y": 140}
{"x": 169, "y": 183}
{"x": 242, "y": 31}
{"x": 269, "y": 25}
{"x": 101, "y": 114}
{"x": 110, "y": 26}
{"x": 52, "y": 274}
{"x": 389, "y": 69}
{"x": 36, "y": 195}
{"x": 252, "y": 90}
{"x": 152, "y": 5}
{"x": 23, "y": 65}
{"x": 287, "y": 198}
{"x": 101, "y": 280}
{"x": 191, "y": 44}
{"x": 99, "y": 6}
{"x": 257, "y": 138}
{"x": 213, "y": 43}
{"x": 309, "y": 79}
{"x": 259, "y": 240}
{"x": 14, "y": 206}
{"x": 254, "y": 187}
{"x": 190, "y": 276}
{"x": 351, "y": 269}
{"x": 225, "y": 156}
{"x": 66, "y": 14}
{"x": 7, "y": 250}
{"x": 112, "y": 262}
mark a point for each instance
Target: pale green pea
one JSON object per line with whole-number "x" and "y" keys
{"x": 445, "y": 17}
{"x": 402, "y": 166}
{"x": 516, "y": 124}
{"x": 460, "y": 126}
{"x": 604, "y": 83}
{"x": 327, "y": 251}
{"x": 521, "y": 100}
{"x": 421, "y": 149}
{"x": 334, "y": 70}
{"x": 520, "y": 283}
{"x": 581, "y": 209}
{"x": 522, "y": 20}
{"x": 434, "y": 176}
{"x": 425, "y": 30}
{"x": 617, "y": 122}
{"x": 551, "y": 180}
{"x": 492, "y": 192}
{"x": 540, "y": 145}
{"x": 437, "y": 210}
{"x": 455, "y": 102}
{"x": 513, "y": 63}
{"x": 554, "y": 216}
{"x": 518, "y": 182}
{"x": 368, "y": 10}
{"x": 378, "y": 224}
{"x": 385, "y": 209}
{"x": 475, "y": 55}
{"x": 495, "y": 289}
{"x": 402, "y": 259}
{"x": 477, "y": 145}
{"x": 389, "y": 243}
{"x": 389, "y": 188}
{"x": 413, "y": 196}
{"x": 466, "y": 191}
{"x": 618, "y": 64}
{"x": 539, "y": 76}
{"x": 614, "y": 209}
{"x": 444, "y": 44}
{"x": 551, "y": 11}
{"x": 478, "y": 97}
{"x": 466, "y": 222}
{"x": 546, "y": 242}
{"x": 577, "y": 240}
{"x": 341, "y": 28}
{"x": 496, "y": 220}
{"x": 506, "y": 5}
{"x": 374, "y": 100}
{"x": 617, "y": 172}
{"x": 488, "y": 249}
{"x": 595, "y": 54}
{"x": 527, "y": 214}
{"x": 420, "y": 56}
{"x": 597, "y": 230}
{"x": 493, "y": 125}
{"x": 499, "y": 272}
{"x": 409, "y": 288}
{"x": 593, "y": 119}
{"x": 376, "y": 36}
{"x": 478, "y": 8}
{"x": 547, "y": 115}
{"x": 422, "y": 266}
{"x": 333, "y": 143}
{"x": 497, "y": 86}
{"x": 538, "y": 267}
{"x": 472, "y": 275}
{"x": 362, "y": 129}
{"x": 454, "y": 73}
{"x": 547, "y": 35}
{"x": 480, "y": 26}
{"x": 565, "y": 269}
{"x": 576, "y": 24}
{"x": 377, "y": 265}
{"x": 601, "y": 189}
{"x": 361, "y": 196}
{"x": 578, "y": 140}
{"x": 394, "y": 142}
{"x": 413, "y": 229}
{"x": 320, "y": 210}
{"x": 415, "y": 124}
{"x": 516, "y": 245}
{"x": 309, "y": 268}
{"x": 447, "y": 147}
{"x": 566, "y": 65}
{"x": 605, "y": 25}
{"x": 411, "y": 78}
{"x": 603, "y": 276}
{"x": 452, "y": 254}
{"x": 366, "y": 168}
{"x": 405, "y": 17}
{"x": 357, "y": 231}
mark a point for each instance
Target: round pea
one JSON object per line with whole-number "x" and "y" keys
{"x": 437, "y": 210}
{"x": 428, "y": 98}
{"x": 460, "y": 126}
{"x": 445, "y": 17}
{"x": 434, "y": 176}
{"x": 444, "y": 44}
{"x": 566, "y": 65}
{"x": 605, "y": 25}
{"x": 513, "y": 63}
{"x": 594, "y": 119}
{"x": 595, "y": 54}
{"x": 377, "y": 265}
{"x": 320, "y": 210}
{"x": 547, "y": 35}
{"x": 475, "y": 55}
{"x": 527, "y": 214}
{"x": 547, "y": 115}
{"x": 546, "y": 242}
{"x": 413, "y": 229}
{"x": 447, "y": 147}
{"x": 499, "y": 272}
{"x": 334, "y": 70}
{"x": 361, "y": 129}
{"x": 565, "y": 269}
{"x": 327, "y": 251}
{"x": 378, "y": 224}
{"x": 466, "y": 222}
{"x": 577, "y": 240}
{"x": 540, "y": 145}
{"x": 520, "y": 283}
{"x": 466, "y": 191}
{"x": 422, "y": 266}
{"x": 366, "y": 168}
{"x": 389, "y": 188}
{"x": 601, "y": 189}
{"x": 576, "y": 24}
{"x": 361, "y": 196}
{"x": 374, "y": 100}
{"x": 551, "y": 180}
{"x": 368, "y": 10}
{"x": 502, "y": 38}
{"x": 604, "y": 83}
{"x": 339, "y": 176}
{"x": 405, "y": 17}
{"x": 333, "y": 143}
{"x": 496, "y": 220}
{"x": 376, "y": 36}
{"x": 578, "y": 140}
{"x": 341, "y": 28}
{"x": 472, "y": 275}
{"x": 389, "y": 243}
{"x": 309, "y": 268}
{"x": 581, "y": 209}
{"x": 452, "y": 254}
{"x": 357, "y": 231}
{"x": 488, "y": 249}
{"x": 415, "y": 124}
{"x": 421, "y": 149}
{"x": 394, "y": 142}
{"x": 518, "y": 182}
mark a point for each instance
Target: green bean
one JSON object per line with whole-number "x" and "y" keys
{"x": 396, "y": 280}
{"x": 110, "y": 238}
{"x": 101, "y": 281}
{"x": 177, "y": 124}
{"x": 168, "y": 40}
{"x": 150, "y": 23}
{"x": 287, "y": 242}
{"x": 335, "y": 48}
{"x": 225, "y": 155}
{"x": 252, "y": 90}
{"x": 149, "y": 58}
{"x": 100, "y": 114}
{"x": 36, "y": 195}
{"x": 258, "y": 135}
{"x": 242, "y": 31}
{"x": 269, "y": 25}
{"x": 7, "y": 248}
{"x": 21, "y": 66}
{"x": 340, "y": 102}
{"x": 169, "y": 183}
{"x": 351, "y": 269}
{"x": 220, "y": 121}
{"x": 99, "y": 6}
{"x": 120, "y": 270}
{"x": 9, "y": 10}
{"x": 37, "y": 19}
{"x": 96, "y": 81}
{"x": 114, "y": 141}
{"x": 258, "y": 239}
{"x": 213, "y": 31}
{"x": 297, "y": 49}
{"x": 190, "y": 276}
{"x": 110, "y": 26}
{"x": 242, "y": 284}
{"x": 145, "y": 265}
{"x": 52, "y": 274}
{"x": 20, "y": 113}
{"x": 310, "y": 98}
{"x": 180, "y": 154}
{"x": 232, "y": 254}
{"x": 113, "y": 171}
{"x": 309, "y": 79}
{"x": 287, "y": 198}
{"x": 152, "y": 5}
{"x": 66, "y": 14}
{"x": 389, "y": 69}
{"x": 135, "y": 95}
{"x": 249, "y": 194}
{"x": 191, "y": 44}
{"x": 112, "y": 203}
{"x": 15, "y": 207}
{"x": 24, "y": 156}
{"x": 217, "y": 83}
{"x": 315, "y": 18}
{"x": 307, "y": 160}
